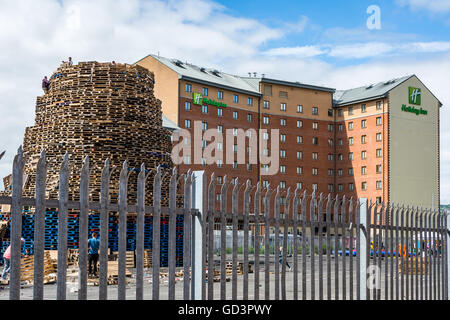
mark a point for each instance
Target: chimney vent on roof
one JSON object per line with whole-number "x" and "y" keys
{"x": 216, "y": 72}
{"x": 250, "y": 74}
{"x": 369, "y": 87}
{"x": 255, "y": 73}
{"x": 263, "y": 75}
{"x": 178, "y": 63}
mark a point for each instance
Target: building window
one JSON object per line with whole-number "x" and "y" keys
{"x": 283, "y": 169}
{"x": 266, "y": 120}
{"x": 299, "y": 155}
{"x": 350, "y": 126}
{"x": 330, "y": 157}
{"x": 299, "y": 170}
{"x": 314, "y": 186}
{"x": 340, "y": 157}
{"x": 218, "y": 197}
{"x": 219, "y": 179}
{"x": 220, "y": 128}
{"x": 363, "y": 155}
{"x": 330, "y": 188}
{"x": 283, "y": 106}
{"x": 187, "y": 105}
{"x": 250, "y": 101}
{"x": 379, "y": 153}
{"x": 235, "y": 132}
{"x": 340, "y": 187}
{"x": 363, "y": 139}
{"x": 315, "y": 111}
{"x": 235, "y": 164}
{"x": 282, "y": 137}
{"x": 379, "y": 105}
{"x": 283, "y": 122}
{"x": 363, "y": 170}
{"x": 379, "y": 185}
{"x": 330, "y": 112}
{"x": 204, "y": 143}
{"x": 187, "y": 123}
{"x": 235, "y": 98}
{"x": 340, "y": 113}
{"x": 315, "y": 156}
{"x": 204, "y": 109}
{"x": 299, "y": 185}
{"x": 266, "y": 136}
{"x": 378, "y": 168}
{"x": 219, "y": 145}
{"x": 340, "y": 127}
{"x": 363, "y": 108}
{"x": 330, "y": 142}
{"x": 282, "y": 154}
{"x": 235, "y": 148}
{"x": 299, "y": 108}
{"x": 364, "y": 186}
{"x": 235, "y": 114}
{"x": 187, "y": 159}
{"x": 350, "y": 171}
{"x": 363, "y": 123}
{"x": 283, "y": 94}
{"x": 249, "y": 118}
{"x": 219, "y": 163}
{"x": 315, "y": 140}
{"x": 379, "y": 121}
{"x": 266, "y": 105}
{"x": 205, "y": 91}
{"x": 315, "y": 171}
{"x": 219, "y": 112}
{"x": 330, "y": 172}
{"x": 188, "y": 87}
{"x": 351, "y": 187}
{"x": 330, "y": 127}
{"x": 350, "y": 156}
{"x": 268, "y": 90}
{"x": 299, "y": 124}
{"x": 220, "y": 95}
{"x": 350, "y": 111}
{"x": 282, "y": 184}
{"x": 315, "y": 125}
{"x": 249, "y": 167}
{"x": 339, "y": 172}
{"x": 340, "y": 142}
{"x": 350, "y": 141}
{"x": 265, "y": 183}
{"x": 204, "y": 126}
{"x": 299, "y": 139}
{"x": 266, "y": 152}
{"x": 378, "y": 137}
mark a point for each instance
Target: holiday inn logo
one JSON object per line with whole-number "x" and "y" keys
{"x": 415, "y": 95}
{"x": 197, "y": 98}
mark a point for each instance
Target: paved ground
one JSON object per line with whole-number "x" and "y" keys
{"x": 50, "y": 289}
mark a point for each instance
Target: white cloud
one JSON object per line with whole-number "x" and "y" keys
{"x": 299, "y": 52}
{"x": 434, "y": 6}
{"x": 360, "y": 50}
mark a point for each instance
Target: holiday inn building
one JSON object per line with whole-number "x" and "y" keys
{"x": 379, "y": 142}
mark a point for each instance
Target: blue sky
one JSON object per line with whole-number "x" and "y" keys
{"x": 318, "y": 42}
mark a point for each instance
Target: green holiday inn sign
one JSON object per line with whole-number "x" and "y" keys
{"x": 197, "y": 98}
{"x": 414, "y": 97}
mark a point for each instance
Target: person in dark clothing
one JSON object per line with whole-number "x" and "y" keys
{"x": 93, "y": 245}
{"x": 281, "y": 259}
{"x": 45, "y": 84}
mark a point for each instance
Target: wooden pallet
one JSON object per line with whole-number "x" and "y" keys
{"x": 27, "y": 269}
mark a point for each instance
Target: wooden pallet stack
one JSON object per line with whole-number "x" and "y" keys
{"x": 27, "y": 269}
{"x": 148, "y": 258}
{"x": 100, "y": 110}
{"x": 409, "y": 266}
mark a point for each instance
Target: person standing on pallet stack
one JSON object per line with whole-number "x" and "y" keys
{"x": 45, "y": 84}
{"x": 93, "y": 245}
{"x": 7, "y": 259}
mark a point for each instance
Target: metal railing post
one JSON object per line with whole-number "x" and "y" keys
{"x": 363, "y": 224}
{"x": 197, "y": 203}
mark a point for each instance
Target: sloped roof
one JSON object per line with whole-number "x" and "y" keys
{"x": 378, "y": 90}
{"x": 207, "y": 76}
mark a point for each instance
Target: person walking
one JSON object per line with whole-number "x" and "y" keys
{"x": 93, "y": 245}
{"x": 45, "y": 84}
{"x": 7, "y": 260}
{"x": 281, "y": 259}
